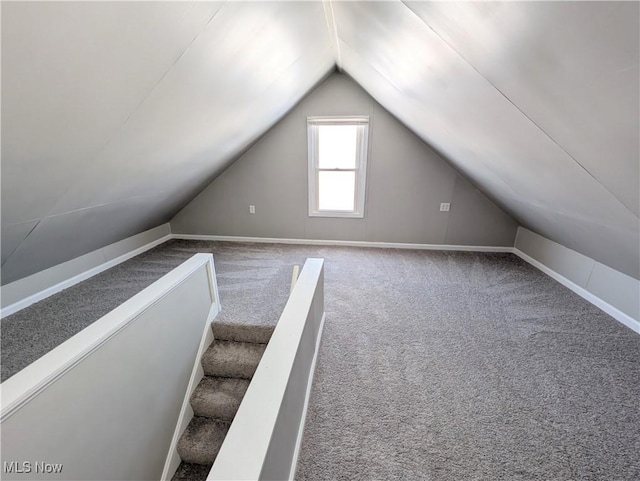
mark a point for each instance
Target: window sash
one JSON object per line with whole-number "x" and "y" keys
{"x": 313, "y": 124}
{"x": 355, "y": 193}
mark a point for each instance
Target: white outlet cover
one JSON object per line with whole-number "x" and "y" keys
{"x": 444, "y": 207}
{"x": 252, "y": 209}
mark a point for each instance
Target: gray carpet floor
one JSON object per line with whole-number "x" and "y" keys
{"x": 467, "y": 366}
{"x": 253, "y": 285}
{"x": 433, "y": 365}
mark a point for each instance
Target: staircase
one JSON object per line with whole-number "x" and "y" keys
{"x": 229, "y": 364}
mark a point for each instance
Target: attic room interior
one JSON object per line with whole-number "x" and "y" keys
{"x": 320, "y": 240}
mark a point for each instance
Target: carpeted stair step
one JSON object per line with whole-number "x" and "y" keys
{"x": 228, "y": 367}
{"x": 191, "y": 472}
{"x": 201, "y": 441}
{"x": 218, "y": 397}
{"x": 232, "y": 359}
{"x": 242, "y": 332}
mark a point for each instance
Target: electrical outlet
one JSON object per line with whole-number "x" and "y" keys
{"x": 444, "y": 207}
{"x": 252, "y": 209}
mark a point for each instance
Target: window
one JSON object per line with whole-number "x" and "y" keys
{"x": 337, "y": 165}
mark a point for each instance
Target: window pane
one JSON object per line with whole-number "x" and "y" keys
{"x": 336, "y": 191}
{"x": 337, "y": 146}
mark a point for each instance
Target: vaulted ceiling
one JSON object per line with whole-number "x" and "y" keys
{"x": 116, "y": 114}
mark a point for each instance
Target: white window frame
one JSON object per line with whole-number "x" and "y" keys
{"x": 362, "y": 150}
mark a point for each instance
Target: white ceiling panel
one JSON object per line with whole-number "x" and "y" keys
{"x": 117, "y": 100}
{"x": 13, "y": 235}
{"x": 571, "y": 67}
{"x": 72, "y": 73}
{"x": 250, "y": 66}
{"x": 417, "y": 76}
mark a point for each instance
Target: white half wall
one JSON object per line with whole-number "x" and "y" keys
{"x": 24, "y": 292}
{"x": 614, "y": 292}
{"x": 104, "y": 404}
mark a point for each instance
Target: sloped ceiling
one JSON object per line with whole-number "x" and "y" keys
{"x": 536, "y": 102}
{"x": 116, "y": 114}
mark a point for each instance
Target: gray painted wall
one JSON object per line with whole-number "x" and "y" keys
{"x": 406, "y": 182}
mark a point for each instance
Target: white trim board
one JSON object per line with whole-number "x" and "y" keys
{"x": 186, "y": 411}
{"x": 29, "y": 290}
{"x": 344, "y": 243}
{"x": 172, "y": 461}
{"x": 307, "y": 397}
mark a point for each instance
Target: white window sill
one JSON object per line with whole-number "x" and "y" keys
{"x": 337, "y": 214}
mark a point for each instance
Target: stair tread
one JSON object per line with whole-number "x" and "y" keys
{"x": 227, "y": 331}
{"x": 191, "y": 472}
{"x": 232, "y": 359}
{"x": 201, "y": 441}
{"x": 218, "y": 397}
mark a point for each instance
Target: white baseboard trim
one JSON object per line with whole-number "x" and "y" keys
{"x": 613, "y": 311}
{"x": 81, "y": 276}
{"x": 344, "y": 243}
{"x": 56, "y": 287}
{"x": 584, "y": 293}
{"x": 296, "y": 452}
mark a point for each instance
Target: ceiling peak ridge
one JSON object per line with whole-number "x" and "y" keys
{"x": 332, "y": 28}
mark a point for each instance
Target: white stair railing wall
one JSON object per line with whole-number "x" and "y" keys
{"x": 104, "y": 404}
{"x": 264, "y": 439}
